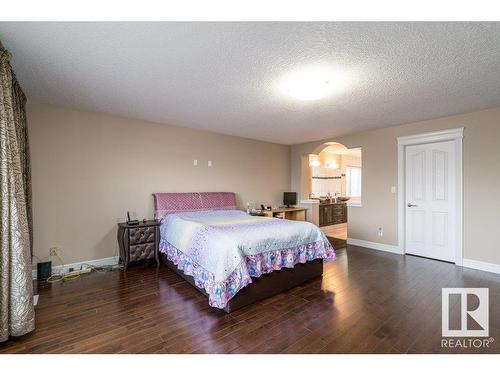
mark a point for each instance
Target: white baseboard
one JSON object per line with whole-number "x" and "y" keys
{"x": 468, "y": 263}
{"x": 111, "y": 261}
{"x": 374, "y": 245}
{"x": 483, "y": 266}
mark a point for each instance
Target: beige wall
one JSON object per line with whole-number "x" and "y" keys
{"x": 379, "y": 150}
{"x": 89, "y": 169}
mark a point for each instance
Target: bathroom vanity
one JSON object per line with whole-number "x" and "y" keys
{"x": 332, "y": 213}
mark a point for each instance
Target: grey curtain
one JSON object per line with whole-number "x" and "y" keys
{"x": 17, "y": 315}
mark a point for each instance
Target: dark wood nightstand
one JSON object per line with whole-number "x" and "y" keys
{"x": 139, "y": 242}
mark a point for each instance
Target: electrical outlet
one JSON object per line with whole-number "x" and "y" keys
{"x": 380, "y": 232}
{"x": 53, "y": 251}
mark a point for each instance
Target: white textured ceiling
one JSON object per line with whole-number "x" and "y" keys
{"x": 223, "y": 76}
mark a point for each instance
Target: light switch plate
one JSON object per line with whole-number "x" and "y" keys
{"x": 210, "y": 163}
{"x": 393, "y": 189}
{"x": 195, "y": 162}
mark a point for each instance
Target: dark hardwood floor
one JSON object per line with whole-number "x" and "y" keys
{"x": 367, "y": 302}
{"x": 337, "y": 234}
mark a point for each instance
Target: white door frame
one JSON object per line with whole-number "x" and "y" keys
{"x": 455, "y": 135}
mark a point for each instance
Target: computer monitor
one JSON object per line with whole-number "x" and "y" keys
{"x": 289, "y": 198}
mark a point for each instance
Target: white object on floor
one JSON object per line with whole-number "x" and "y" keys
{"x": 35, "y": 299}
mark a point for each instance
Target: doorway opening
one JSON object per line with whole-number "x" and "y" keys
{"x": 334, "y": 179}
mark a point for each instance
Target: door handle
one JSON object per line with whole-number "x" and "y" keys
{"x": 412, "y": 205}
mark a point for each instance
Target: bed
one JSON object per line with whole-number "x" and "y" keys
{"x": 234, "y": 258}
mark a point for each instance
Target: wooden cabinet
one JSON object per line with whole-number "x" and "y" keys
{"x": 334, "y": 213}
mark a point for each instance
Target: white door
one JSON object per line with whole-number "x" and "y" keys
{"x": 431, "y": 174}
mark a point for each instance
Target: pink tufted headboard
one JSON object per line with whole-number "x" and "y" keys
{"x": 166, "y": 203}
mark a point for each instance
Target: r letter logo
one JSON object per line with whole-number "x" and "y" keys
{"x": 474, "y": 317}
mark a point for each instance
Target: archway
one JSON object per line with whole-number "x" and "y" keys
{"x": 331, "y": 173}
{"x": 331, "y": 155}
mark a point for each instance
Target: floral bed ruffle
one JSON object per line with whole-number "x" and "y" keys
{"x": 252, "y": 266}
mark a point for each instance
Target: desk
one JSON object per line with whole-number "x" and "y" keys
{"x": 287, "y": 213}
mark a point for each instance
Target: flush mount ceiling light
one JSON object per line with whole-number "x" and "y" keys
{"x": 312, "y": 83}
